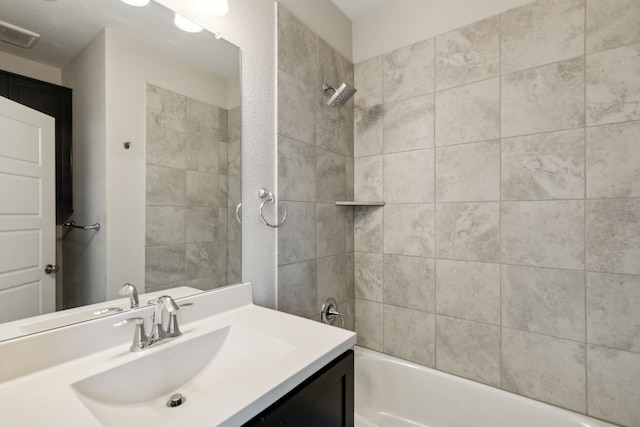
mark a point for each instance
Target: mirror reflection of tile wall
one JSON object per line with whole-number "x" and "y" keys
{"x": 193, "y": 159}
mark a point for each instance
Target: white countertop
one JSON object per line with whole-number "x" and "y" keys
{"x": 45, "y": 397}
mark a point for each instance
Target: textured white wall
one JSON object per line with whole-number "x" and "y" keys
{"x": 410, "y": 21}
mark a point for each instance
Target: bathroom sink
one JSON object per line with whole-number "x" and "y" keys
{"x": 197, "y": 368}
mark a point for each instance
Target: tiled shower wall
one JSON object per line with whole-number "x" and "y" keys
{"x": 190, "y": 215}
{"x": 508, "y": 252}
{"x": 315, "y": 168}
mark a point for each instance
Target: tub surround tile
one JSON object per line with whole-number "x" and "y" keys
{"x": 543, "y": 234}
{"x": 166, "y": 186}
{"x": 544, "y": 166}
{"x": 297, "y": 288}
{"x": 201, "y": 259}
{"x": 165, "y": 147}
{"x": 545, "y": 368}
{"x": 297, "y": 238}
{"x": 468, "y": 113}
{"x": 613, "y": 87}
{"x": 613, "y": 236}
{"x": 408, "y": 71}
{"x": 369, "y": 324}
{"x": 296, "y": 170}
{"x": 468, "y": 290}
{"x": 335, "y": 278}
{"x": 612, "y": 24}
{"x": 468, "y": 231}
{"x": 203, "y": 189}
{"x": 410, "y": 335}
{"x": 368, "y": 176}
{"x": 205, "y": 119}
{"x": 297, "y": 48}
{"x": 367, "y": 229}
{"x": 468, "y": 172}
{"x": 409, "y": 229}
{"x": 331, "y": 172}
{"x": 334, "y": 127}
{"x": 409, "y": 282}
{"x": 543, "y": 99}
{"x": 368, "y": 269}
{"x": 408, "y": 177}
{"x": 544, "y": 301}
{"x": 409, "y": 124}
{"x": 202, "y": 153}
{"x": 468, "y": 349}
{"x": 331, "y": 229}
{"x": 613, "y": 156}
{"x": 202, "y": 225}
{"x": 542, "y": 32}
{"x": 367, "y": 136}
{"x": 165, "y": 225}
{"x": 296, "y": 109}
{"x": 166, "y": 109}
{"x": 612, "y": 305}
{"x": 614, "y": 385}
{"x": 468, "y": 54}
{"x": 368, "y": 81}
{"x": 165, "y": 264}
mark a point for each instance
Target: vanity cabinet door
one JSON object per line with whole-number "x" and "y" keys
{"x": 324, "y": 400}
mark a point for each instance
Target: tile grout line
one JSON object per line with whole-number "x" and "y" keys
{"x": 435, "y": 221}
{"x": 500, "y": 196}
{"x": 586, "y": 350}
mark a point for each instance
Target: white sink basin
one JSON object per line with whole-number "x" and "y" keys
{"x": 198, "y": 368}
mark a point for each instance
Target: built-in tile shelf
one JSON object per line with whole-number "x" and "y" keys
{"x": 357, "y": 203}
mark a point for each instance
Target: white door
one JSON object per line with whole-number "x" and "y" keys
{"x": 27, "y": 211}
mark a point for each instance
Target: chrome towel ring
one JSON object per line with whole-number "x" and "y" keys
{"x": 265, "y": 194}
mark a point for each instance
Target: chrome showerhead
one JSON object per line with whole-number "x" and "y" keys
{"x": 340, "y": 96}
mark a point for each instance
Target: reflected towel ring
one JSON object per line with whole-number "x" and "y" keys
{"x": 238, "y": 213}
{"x": 265, "y": 194}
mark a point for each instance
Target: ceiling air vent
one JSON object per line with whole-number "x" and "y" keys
{"x": 18, "y": 36}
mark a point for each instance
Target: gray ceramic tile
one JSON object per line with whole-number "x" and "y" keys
{"x": 166, "y": 109}
{"x": 543, "y": 99}
{"x": 409, "y": 229}
{"x": 349, "y": 172}
{"x": 296, "y": 170}
{"x": 222, "y": 226}
{"x": 201, "y": 259}
{"x": 202, "y": 225}
{"x": 468, "y": 349}
{"x": 330, "y": 176}
{"x": 368, "y": 81}
{"x": 202, "y": 152}
{"x": 613, "y": 156}
{"x": 545, "y": 368}
{"x": 165, "y": 147}
{"x": 349, "y": 230}
{"x": 164, "y": 264}
{"x": 205, "y": 119}
{"x": 335, "y": 278}
{"x": 234, "y": 190}
{"x": 468, "y": 231}
{"x": 614, "y": 385}
{"x": 410, "y": 334}
{"x": 408, "y": 71}
{"x": 223, "y": 157}
{"x": 348, "y": 311}
{"x": 468, "y": 54}
{"x": 612, "y": 24}
{"x": 297, "y": 288}
{"x": 297, "y": 48}
{"x": 468, "y": 113}
{"x": 544, "y": 301}
{"x": 368, "y": 270}
{"x": 468, "y": 172}
{"x": 542, "y": 32}
{"x": 410, "y": 282}
{"x": 234, "y": 158}
{"x": 613, "y": 87}
{"x": 409, "y": 124}
{"x": 543, "y": 234}
{"x": 612, "y": 311}
{"x": 166, "y": 186}
{"x": 613, "y": 236}
{"x": 296, "y": 109}
{"x": 234, "y": 262}
{"x": 203, "y": 189}
{"x": 468, "y": 290}
{"x": 368, "y": 229}
{"x": 234, "y": 128}
{"x": 544, "y": 166}
{"x": 368, "y": 178}
{"x": 408, "y": 177}
{"x": 234, "y": 229}
{"x": 165, "y": 225}
{"x": 369, "y": 324}
{"x": 367, "y": 133}
{"x": 297, "y": 237}
{"x": 331, "y": 229}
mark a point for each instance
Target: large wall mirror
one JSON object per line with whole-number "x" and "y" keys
{"x": 155, "y": 154}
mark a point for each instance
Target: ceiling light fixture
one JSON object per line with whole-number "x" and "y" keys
{"x": 137, "y": 3}
{"x": 185, "y": 25}
{"x": 219, "y": 7}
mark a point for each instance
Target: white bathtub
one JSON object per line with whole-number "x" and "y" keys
{"x": 391, "y": 392}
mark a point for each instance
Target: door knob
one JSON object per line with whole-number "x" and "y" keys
{"x": 51, "y": 269}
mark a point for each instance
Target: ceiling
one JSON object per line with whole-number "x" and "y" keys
{"x": 355, "y": 9}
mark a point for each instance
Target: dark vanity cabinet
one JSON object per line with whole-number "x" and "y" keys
{"x": 323, "y": 400}
{"x": 54, "y": 101}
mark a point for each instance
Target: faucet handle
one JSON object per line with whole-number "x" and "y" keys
{"x": 140, "y": 339}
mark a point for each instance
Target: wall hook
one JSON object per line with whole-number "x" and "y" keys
{"x": 268, "y": 196}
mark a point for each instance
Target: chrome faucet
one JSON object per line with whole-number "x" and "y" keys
{"x": 158, "y": 334}
{"x": 128, "y": 289}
